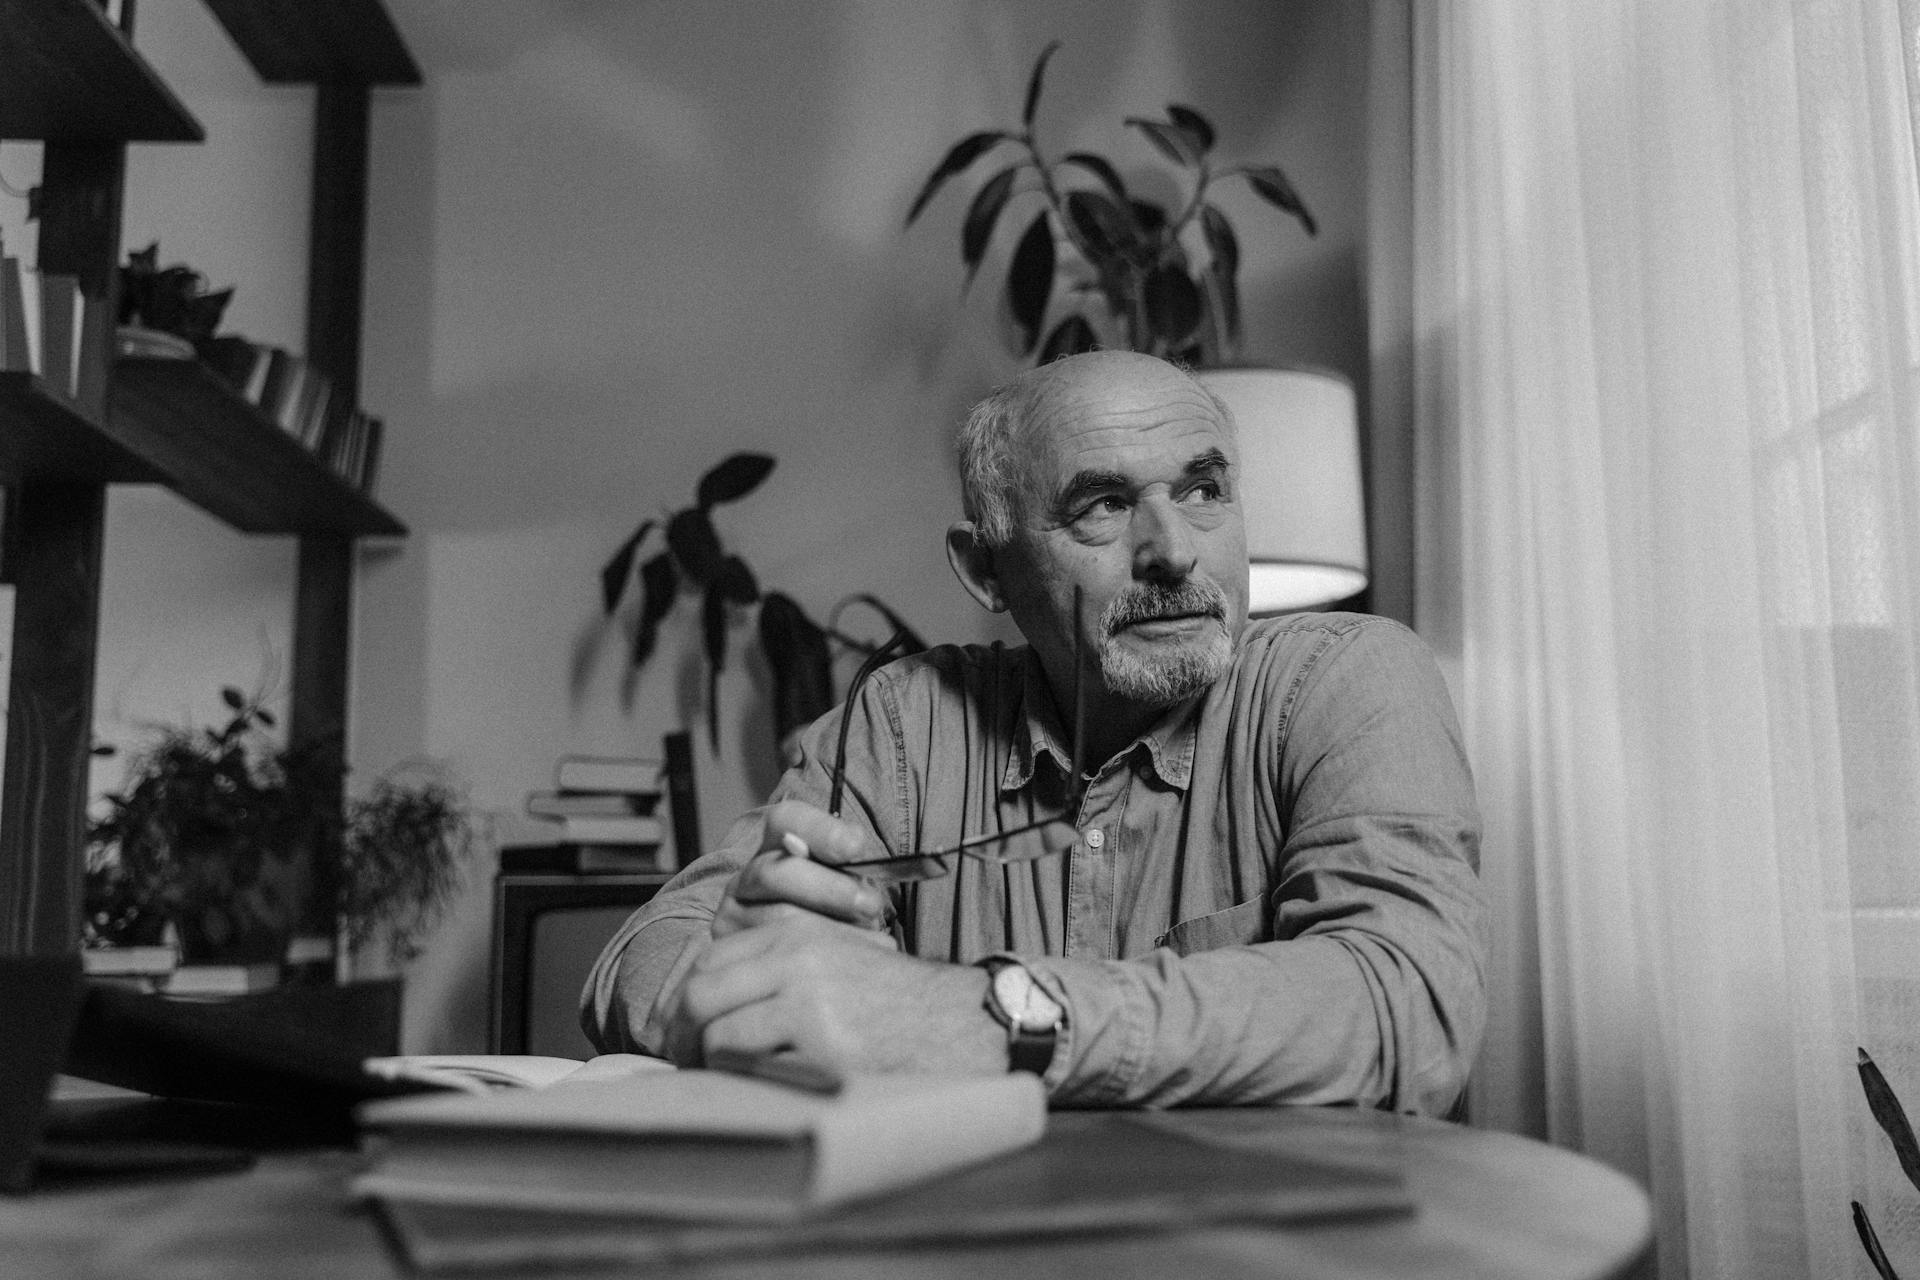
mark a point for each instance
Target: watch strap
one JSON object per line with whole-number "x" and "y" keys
{"x": 1027, "y": 1049}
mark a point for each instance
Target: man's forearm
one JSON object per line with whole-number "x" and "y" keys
{"x": 627, "y": 1000}
{"x": 1330, "y": 1018}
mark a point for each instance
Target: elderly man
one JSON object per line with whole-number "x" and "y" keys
{"x": 1272, "y": 896}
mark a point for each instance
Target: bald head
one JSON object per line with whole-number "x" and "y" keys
{"x": 998, "y": 433}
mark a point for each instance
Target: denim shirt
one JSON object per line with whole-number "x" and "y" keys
{"x": 1274, "y": 897}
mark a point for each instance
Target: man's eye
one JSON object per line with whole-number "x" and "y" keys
{"x": 1205, "y": 491}
{"x": 1105, "y": 505}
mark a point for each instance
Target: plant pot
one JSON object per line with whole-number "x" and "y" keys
{"x": 229, "y": 934}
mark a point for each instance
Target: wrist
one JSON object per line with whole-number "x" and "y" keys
{"x": 1029, "y": 1017}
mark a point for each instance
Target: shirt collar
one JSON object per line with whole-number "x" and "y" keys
{"x": 1169, "y": 743}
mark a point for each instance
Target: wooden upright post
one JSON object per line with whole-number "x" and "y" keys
{"x": 336, "y": 268}
{"x": 50, "y": 555}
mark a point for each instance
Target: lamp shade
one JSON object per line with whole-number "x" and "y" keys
{"x": 1299, "y": 485}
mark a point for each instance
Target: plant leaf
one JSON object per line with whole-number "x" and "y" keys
{"x": 732, "y": 478}
{"x": 1173, "y": 306}
{"x": 1030, "y": 279}
{"x": 735, "y": 582}
{"x": 1103, "y": 225}
{"x": 1871, "y": 1243}
{"x": 1886, "y": 1109}
{"x": 1099, "y": 167}
{"x": 618, "y": 570}
{"x": 1070, "y": 337}
{"x": 1196, "y": 126}
{"x": 1033, "y": 84}
{"x": 1273, "y": 187}
{"x": 1149, "y": 219}
{"x": 695, "y": 545}
{"x": 1223, "y": 269}
{"x": 800, "y": 661}
{"x": 1170, "y": 141}
{"x": 962, "y": 154}
{"x": 659, "y": 585}
{"x": 977, "y": 229}
{"x": 1222, "y": 244}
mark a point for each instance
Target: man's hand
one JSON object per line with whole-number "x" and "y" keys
{"x": 835, "y": 999}
{"x": 784, "y": 880}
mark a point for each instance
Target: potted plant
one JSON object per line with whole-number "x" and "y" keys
{"x": 1151, "y": 277}
{"x": 173, "y": 299}
{"x": 404, "y": 854}
{"x": 691, "y": 560}
{"x": 218, "y": 830}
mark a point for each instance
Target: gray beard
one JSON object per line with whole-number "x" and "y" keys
{"x": 1164, "y": 674}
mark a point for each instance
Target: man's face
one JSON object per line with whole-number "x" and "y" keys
{"x": 1128, "y": 495}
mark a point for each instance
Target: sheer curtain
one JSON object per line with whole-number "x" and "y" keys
{"x": 1667, "y": 332}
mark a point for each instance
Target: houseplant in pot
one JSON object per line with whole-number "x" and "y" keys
{"x": 1098, "y": 263}
{"x": 217, "y": 832}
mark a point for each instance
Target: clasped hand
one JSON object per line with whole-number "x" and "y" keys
{"x": 803, "y": 973}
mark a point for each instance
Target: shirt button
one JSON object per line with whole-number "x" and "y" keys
{"x": 1096, "y": 838}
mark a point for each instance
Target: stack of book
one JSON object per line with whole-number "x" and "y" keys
{"x": 50, "y": 329}
{"x": 301, "y": 400}
{"x": 601, "y": 816}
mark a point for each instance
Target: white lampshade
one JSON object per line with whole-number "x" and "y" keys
{"x": 1299, "y": 485}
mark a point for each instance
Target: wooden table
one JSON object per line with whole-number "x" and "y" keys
{"x": 1491, "y": 1205}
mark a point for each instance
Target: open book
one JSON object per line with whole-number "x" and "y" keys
{"x": 485, "y": 1072}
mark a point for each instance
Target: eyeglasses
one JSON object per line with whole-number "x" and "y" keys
{"x": 1056, "y": 835}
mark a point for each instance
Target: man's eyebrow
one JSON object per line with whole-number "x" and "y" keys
{"x": 1085, "y": 484}
{"x": 1208, "y": 463}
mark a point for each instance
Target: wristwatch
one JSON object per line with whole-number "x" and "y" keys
{"x": 1032, "y": 1017}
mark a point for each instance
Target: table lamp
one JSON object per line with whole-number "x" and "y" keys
{"x": 1299, "y": 485}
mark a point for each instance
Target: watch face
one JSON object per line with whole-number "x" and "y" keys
{"x": 1026, "y": 1004}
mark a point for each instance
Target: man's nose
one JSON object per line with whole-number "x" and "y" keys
{"x": 1163, "y": 545}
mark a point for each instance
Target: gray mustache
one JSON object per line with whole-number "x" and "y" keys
{"x": 1143, "y": 602}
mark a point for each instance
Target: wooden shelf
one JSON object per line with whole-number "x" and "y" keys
{"x": 45, "y": 437}
{"x": 70, "y": 76}
{"x": 219, "y": 453}
{"x": 304, "y": 42}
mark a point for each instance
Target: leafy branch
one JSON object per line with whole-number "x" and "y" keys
{"x": 1138, "y": 252}
{"x": 1893, "y": 1121}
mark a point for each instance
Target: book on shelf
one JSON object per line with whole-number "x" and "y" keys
{"x": 155, "y": 961}
{"x": 96, "y": 346}
{"x": 280, "y": 388}
{"x": 16, "y": 353}
{"x": 607, "y": 773}
{"x": 625, "y": 828}
{"x": 591, "y": 804}
{"x": 221, "y": 979}
{"x": 317, "y": 406}
{"x": 698, "y": 1145}
{"x": 243, "y": 364}
{"x": 560, "y": 858}
{"x": 367, "y": 468}
{"x": 60, "y": 324}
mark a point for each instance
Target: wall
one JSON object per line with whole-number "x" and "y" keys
{"x": 611, "y": 242}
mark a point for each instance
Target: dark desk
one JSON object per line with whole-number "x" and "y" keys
{"x": 1491, "y": 1205}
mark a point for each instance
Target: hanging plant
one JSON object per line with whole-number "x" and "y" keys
{"x": 1166, "y": 277}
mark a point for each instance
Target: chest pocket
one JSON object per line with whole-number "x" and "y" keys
{"x": 1234, "y": 927}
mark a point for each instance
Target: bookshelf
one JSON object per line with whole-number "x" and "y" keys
{"x": 75, "y": 83}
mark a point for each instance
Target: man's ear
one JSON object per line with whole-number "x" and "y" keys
{"x": 973, "y": 564}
